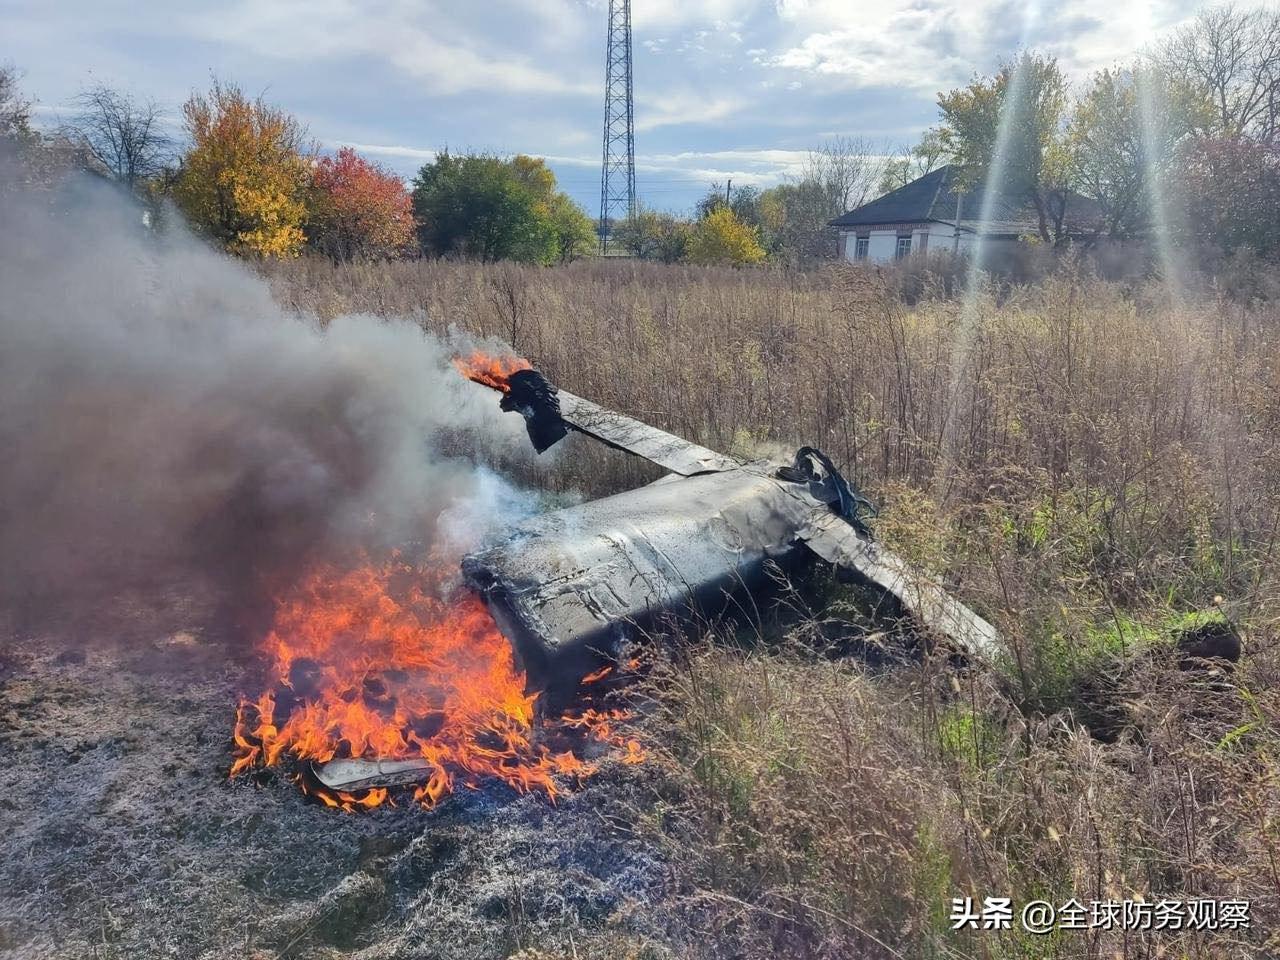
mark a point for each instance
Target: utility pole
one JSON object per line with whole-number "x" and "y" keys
{"x": 618, "y": 173}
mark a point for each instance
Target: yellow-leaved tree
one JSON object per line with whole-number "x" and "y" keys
{"x": 720, "y": 237}
{"x": 244, "y": 178}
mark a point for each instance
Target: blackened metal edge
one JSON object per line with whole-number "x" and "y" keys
{"x": 536, "y": 399}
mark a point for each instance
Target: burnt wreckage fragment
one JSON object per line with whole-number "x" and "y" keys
{"x": 568, "y": 587}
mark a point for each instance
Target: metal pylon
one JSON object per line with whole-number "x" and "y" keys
{"x": 618, "y": 169}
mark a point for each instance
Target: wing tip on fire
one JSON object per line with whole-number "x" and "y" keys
{"x": 550, "y": 413}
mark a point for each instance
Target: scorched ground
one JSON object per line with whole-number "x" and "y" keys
{"x": 125, "y": 838}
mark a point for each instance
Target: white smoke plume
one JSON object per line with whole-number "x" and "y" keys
{"x": 159, "y": 412}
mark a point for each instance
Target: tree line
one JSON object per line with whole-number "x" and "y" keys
{"x": 1184, "y": 141}
{"x": 787, "y": 223}
{"x": 248, "y": 178}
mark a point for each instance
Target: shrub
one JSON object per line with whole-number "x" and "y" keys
{"x": 357, "y": 209}
{"x": 243, "y": 181}
{"x": 721, "y": 238}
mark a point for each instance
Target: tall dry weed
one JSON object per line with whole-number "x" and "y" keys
{"x": 1095, "y": 467}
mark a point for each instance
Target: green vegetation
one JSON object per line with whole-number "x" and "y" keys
{"x": 654, "y": 236}
{"x": 15, "y": 109}
{"x": 721, "y": 238}
{"x": 244, "y": 180}
{"x": 914, "y": 162}
{"x": 967, "y": 737}
{"x": 1179, "y": 148}
{"x": 1021, "y": 110}
{"x": 494, "y": 209}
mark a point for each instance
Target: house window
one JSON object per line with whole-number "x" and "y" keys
{"x": 860, "y": 246}
{"x": 904, "y": 247}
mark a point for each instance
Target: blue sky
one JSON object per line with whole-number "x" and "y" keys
{"x": 725, "y": 89}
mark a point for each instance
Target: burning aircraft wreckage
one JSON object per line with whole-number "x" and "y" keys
{"x": 556, "y": 603}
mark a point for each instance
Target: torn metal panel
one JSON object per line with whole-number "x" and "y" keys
{"x": 550, "y": 412}
{"x": 837, "y": 542}
{"x": 623, "y": 433}
{"x": 536, "y": 399}
{"x": 359, "y": 774}
{"x": 568, "y": 586}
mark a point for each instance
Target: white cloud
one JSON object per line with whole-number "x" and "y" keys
{"x": 426, "y": 41}
{"x": 745, "y": 167}
{"x": 659, "y": 14}
{"x": 387, "y": 150}
{"x": 926, "y": 45}
{"x": 684, "y": 107}
{"x": 889, "y": 44}
{"x": 761, "y": 167}
{"x": 772, "y": 158}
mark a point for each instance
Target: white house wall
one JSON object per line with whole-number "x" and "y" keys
{"x": 942, "y": 238}
{"x": 883, "y": 246}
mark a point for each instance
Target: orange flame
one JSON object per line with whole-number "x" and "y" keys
{"x": 371, "y": 663}
{"x": 489, "y": 370}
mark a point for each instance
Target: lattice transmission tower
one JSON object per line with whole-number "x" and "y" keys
{"x": 618, "y": 173}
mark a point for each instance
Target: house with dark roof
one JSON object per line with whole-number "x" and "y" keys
{"x": 931, "y": 214}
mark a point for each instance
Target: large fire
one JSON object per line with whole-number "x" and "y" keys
{"x": 373, "y": 663}
{"x": 490, "y": 370}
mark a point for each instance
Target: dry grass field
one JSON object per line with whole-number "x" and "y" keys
{"x": 1092, "y": 466}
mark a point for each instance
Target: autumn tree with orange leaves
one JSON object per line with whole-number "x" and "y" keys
{"x": 244, "y": 179}
{"x": 357, "y": 209}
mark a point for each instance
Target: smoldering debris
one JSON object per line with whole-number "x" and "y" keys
{"x": 123, "y": 837}
{"x": 158, "y": 411}
{"x": 172, "y": 438}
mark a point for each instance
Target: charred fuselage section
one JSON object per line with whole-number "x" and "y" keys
{"x": 713, "y": 538}
{"x": 569, "y": 588}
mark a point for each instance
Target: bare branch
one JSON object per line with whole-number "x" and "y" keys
{"x": 1231, "y": 58}
{"x": 848, "y": 168}
{"x": 123, "y": 134}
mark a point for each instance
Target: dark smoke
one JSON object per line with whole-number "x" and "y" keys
{"x": 159, "y": 414}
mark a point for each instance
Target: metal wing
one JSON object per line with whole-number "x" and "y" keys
{"x": 836, "y": 541}
{"x": 550, "y": 413}
{"x": 835, "y": 531}
{"x": 623, "y": 433}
